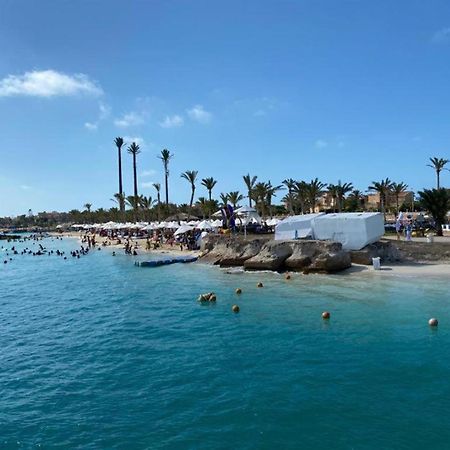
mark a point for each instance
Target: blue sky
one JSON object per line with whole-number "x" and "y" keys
{"x": 350, "y": 90}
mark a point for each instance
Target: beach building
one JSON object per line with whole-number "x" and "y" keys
{"x": 296, "y": 227}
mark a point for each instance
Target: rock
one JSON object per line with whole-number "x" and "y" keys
{"x": 331, "y": 262}
{"x": 271, "y": 257}
{"x": 386, "y": 251}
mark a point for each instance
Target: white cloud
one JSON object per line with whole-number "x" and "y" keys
{"x": 199, "y": 114}
{"x": 172, "y": 121}
{"x": 442, "y": 35}
{"x": 320, "y": 143}
{"x": 47, "y": 83}
{"x": 129, "y": 119}
{"x": 139, "y": 140}
{"x": 91, "y": 126}
{"x": 148, "y": 173}
{"x": 147, "y": 184}
{"x": 104, "y": 111}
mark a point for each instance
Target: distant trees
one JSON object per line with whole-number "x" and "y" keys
{"x": 209, "y": 184}
{"x": 397, "y": 190}
{"x": 250, "y": 184}
{"x": 383, "y": 188}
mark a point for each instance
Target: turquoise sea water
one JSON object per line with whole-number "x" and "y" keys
{"x": 98, "y": 353}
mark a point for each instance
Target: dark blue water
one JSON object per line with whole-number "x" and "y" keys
{"x": 98, "y": 353}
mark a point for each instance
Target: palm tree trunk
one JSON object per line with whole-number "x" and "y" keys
{"x": 135, "y": 178}
{"x": 437, "y": 179}
{"x": 121, "y": 204}
{"x": 250, "y": 198}
{"x": 192, "y": 198}
{"x": 167, "y": 189}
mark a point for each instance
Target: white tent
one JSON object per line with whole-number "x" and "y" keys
{"x": 204, "y": 225}
{"x": 183, "y": 229}
{"x": 245, "y": 209}
{"x": 296, "y": 227}
{"x": 353, "y": 230}
{"x": 273, "y": 222}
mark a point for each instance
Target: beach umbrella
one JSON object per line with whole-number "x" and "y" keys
{"x": 162, "y": 225}
{"x": 204, "y": 225}
{"x": 183, "y": 229}
{"x": 173, "y": 225}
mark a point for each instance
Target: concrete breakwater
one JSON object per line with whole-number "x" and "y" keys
{"x": 296, "y": 255}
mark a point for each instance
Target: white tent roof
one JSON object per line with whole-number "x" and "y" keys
{"x": 204, "y": 225}
{"x": 245, "y": 209}
{"x": 293, "y": 227}
{"x": 183, "y": 229}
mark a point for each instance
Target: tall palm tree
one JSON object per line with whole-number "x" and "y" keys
{"x": 119, "y": 144}
{"x": 437, "y": 202}
{"x": 383, "y": 187}
{"x": 234, "y": 198}
{"x": 191, "y": 177}
{"x": 133, "y": 202}
{"x": 397, "y": 189}
{"x": 134, "y": 150}
{"x": 358, "y": 198}
{"x": 157, "y": 186}
{"x": 250, "y": 183}
{"x": 165, "y": 157}
{"x": 438, "y": 164}
{"x": 314, "y": 190}
{"x": 290, "y": 185}
{"x": 209, "y": 184}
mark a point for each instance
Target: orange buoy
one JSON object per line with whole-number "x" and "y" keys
{"x": 235, "y": 308}
{"x": 260, "y": 285}
{"x": 433, "y": 322}
{"x": 238, "y": 291}
{"x": 287, "y": 276}
{"x": 326, "y": 315}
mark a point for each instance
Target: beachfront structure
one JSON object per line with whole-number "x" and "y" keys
{"x": 296, "y": 227}
{"x": 353, "y": 230}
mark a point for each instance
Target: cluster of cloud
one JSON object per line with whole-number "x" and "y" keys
{"x": 172, "y": 121}
{"x": 441, "y": 36}
{"x": 103, "y": 114}
{"x": 129, "y": 119}
{"x": 48, "y": 83}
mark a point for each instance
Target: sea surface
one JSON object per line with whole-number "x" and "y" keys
{"x": 96, "y": 353}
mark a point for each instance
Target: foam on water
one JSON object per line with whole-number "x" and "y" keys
{"x": 99, "y": 353}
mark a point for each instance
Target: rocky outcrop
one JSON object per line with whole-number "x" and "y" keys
{"x": 263, "y": 254}
{"x": 271, "y": 256}
{"x": 386, "y": 250}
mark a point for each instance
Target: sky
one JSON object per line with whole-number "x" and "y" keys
{"x": 347, "y": 90}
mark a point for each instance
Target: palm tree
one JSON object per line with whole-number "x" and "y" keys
{"x": 358, "y": 198}
{"x": 438, "y": 164}
{"x": 191, "y": 177}
{"x": 314, "y": 190}
{"x": 119, "y": 144}
{"x": 437, "y": 202}
{"x": 165, "y": 157}
{"x": 203, "y": 204}
{"x": 146, "y": 203}
{"x": 397, "y": 189}
{"x": 333, "y": 193}
{"x": 271, "y": 193}
{"x": 132, "y": 201}
{"x": 383, "y": 187}
{"x": 259, "y": 194}
{"x": 224, "y": 198}
{"x": 290, "y": 185}
{"x": 234, "y": 198}
{"x": 250, "y": 183}
{"x": 157, "y": 186}
{"x": 342, "y": 190}
{"x": 301, "y": 194}
{"x": 134, "y": 150}
{"x": 119, "y": 198}
{"x": 209, "y": 184}
{"x": 87, "y": 207}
